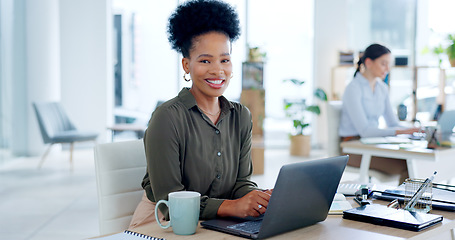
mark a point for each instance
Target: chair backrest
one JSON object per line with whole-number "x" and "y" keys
{"x": 52, "y": 119}
{"x": 333, "y": 122}
{"x": 120, "y": 167}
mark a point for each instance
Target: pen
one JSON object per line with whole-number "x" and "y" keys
{"x": 413, "y": 201}
{"x": 393, "y": 204}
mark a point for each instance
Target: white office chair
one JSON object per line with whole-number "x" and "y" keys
{"x": 333, "y": 121}
{"x": 120, "y": 167}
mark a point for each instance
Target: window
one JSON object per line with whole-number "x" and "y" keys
{"x": 284, "y": 31}
{"x": 407, "y": 27}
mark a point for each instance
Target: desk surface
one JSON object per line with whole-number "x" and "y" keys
{"x": 418, "y": 149}
{"x": 421, "y": 161}
{"x": 127, "y": 127}
{"x": 334, "y": 227}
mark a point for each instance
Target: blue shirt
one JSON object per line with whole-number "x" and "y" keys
{"x": 362, "y": 108}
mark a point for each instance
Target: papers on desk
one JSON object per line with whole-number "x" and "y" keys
{"x": 349, "y": 189}
{"x": 339, "y": 204}
{"x": 385, "y": 140}
{"x": 448, "y": 140}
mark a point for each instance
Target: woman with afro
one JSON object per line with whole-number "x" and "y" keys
{"x": 199, "y": 141}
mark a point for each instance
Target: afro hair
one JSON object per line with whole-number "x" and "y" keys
{"x": 197, "y": 17}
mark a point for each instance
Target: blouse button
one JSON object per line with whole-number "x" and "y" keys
{"x": 218, "y": 176}
{"x": 219, "y": 154}
{"x": 217, "y": 131}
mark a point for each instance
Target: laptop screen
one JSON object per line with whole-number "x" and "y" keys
{"x": 301, "y": 197}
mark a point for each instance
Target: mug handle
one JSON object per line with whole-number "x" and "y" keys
{"x": 156, "y": 214}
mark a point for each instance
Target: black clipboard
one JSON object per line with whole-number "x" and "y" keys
{"x": 398, "y": 218}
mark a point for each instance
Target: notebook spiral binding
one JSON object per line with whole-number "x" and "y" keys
{"x": 142, "y": 235}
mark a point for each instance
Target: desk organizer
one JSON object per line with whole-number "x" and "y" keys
{"x": 425, "y": 201}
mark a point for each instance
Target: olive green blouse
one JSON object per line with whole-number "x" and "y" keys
{"x": 186, "y": 151}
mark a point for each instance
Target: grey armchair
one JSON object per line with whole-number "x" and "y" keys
{"x": 56, "y": 127}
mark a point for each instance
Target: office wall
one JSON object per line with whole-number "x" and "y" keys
{"x": 151, "y": 70}
{"x": 6, "y": 53}
{"x": 42, "y": 63}
{"x": 57, "y": 51}
{"x": 28, "y": 67}
{"x": 86, "y": 63}
{"x": 330, "y": 36}
{"x": 17, "y": 75}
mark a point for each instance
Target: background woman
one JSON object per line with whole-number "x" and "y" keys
{"x": 365, "y": 100}
{"x": 200, "y": 141}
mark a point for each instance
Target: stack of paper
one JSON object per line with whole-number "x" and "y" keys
{"x": 385, "y": 140}
{"x": 339, "y": 204}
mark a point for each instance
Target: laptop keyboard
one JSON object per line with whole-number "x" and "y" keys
{"x": 249, "y": 227}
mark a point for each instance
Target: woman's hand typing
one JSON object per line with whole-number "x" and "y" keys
{"x": 252, "y": 204}
{"x": 408, "y": 130}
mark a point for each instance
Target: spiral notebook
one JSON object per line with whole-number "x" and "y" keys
{"x": 129, "y": 235}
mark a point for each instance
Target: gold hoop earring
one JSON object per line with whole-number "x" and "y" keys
{"x": 185, "y": 77}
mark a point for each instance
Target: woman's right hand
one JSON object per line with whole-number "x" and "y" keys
{"x": 252, "y": 204}
{"x": 408, "y": 130}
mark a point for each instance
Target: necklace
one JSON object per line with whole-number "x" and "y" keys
{"x": 214, "y": 115}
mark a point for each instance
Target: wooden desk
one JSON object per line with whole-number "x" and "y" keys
{"x": 422, "y": 162}
{"x": 334, "y": 227}
{"x": 138, "y": 129}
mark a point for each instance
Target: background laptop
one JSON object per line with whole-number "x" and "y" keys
{"x": 446, "y": 123}
{"x": 301, "y": 197}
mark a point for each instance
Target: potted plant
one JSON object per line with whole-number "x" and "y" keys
{"x": 255, "y": 54}
{"x": 450, "y": 50}
{"x": 438, "y": 51}
{"x": 296, "y": 110}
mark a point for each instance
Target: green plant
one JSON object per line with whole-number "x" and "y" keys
{"x": 255, "y": 54}
{"x": 296, "y": 109}
{"x": 450, "y": 50}
{"x": 438, "y": 51}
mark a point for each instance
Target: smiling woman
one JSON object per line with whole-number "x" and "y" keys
{"x": 210, "y": 67}
{"x": 199, "y": 141}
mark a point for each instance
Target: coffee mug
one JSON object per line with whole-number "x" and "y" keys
{"x": 183, "y": 212}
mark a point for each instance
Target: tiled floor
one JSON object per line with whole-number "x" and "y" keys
{"x": 49, "y": 203}
{"x": 56, "y": 203}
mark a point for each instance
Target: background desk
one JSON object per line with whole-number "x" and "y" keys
{"x": 137, "y": 129}
{"x": 334, "y": 227}
{"x": 422, "y": 162}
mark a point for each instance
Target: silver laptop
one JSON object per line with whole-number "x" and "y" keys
{"x": 446, "y": 124}
{"x": 446, "y": 121}
{"x": 301, "y": 197}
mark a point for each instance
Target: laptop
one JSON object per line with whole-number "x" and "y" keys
{"x": 301, "y": 197}
{"x": 446, "y": 123}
